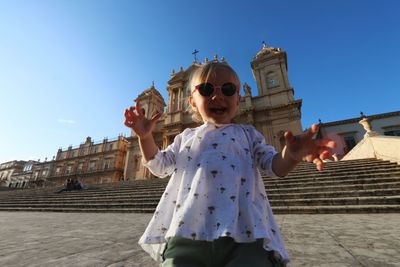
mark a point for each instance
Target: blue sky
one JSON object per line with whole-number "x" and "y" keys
{"x": 68, "y": 69}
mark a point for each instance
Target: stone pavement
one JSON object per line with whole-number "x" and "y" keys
{"x": 110, "y": 239}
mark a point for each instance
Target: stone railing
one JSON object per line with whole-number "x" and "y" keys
{"x": 375, "y": 146}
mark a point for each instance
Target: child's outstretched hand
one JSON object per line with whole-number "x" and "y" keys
{"x": 303, "y": 148}
{"x": 135, "y": 119}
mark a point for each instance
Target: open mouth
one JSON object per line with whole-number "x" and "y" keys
{"x": 219, "y": 110}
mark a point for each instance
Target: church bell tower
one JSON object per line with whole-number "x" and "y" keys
{"x": 270, "y": 70}
{"x": 274, "y": 110}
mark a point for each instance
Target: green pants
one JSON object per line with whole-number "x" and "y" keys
{"x": 223, "y": 252}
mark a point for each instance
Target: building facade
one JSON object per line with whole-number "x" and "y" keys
{"x": 91, "y": 163}
{"x": 22, "y": 178}
{"x": 8, "y": 169}
{"x": 272, "y": 111}
{"x": 41, "y": 171}
{"x": 348, "y": 133}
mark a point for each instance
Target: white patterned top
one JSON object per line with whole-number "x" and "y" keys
{"x": 215, "y": 189}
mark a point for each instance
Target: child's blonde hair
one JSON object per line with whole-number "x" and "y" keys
{"x": 203, "y": 73}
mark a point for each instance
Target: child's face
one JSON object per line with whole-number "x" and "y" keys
{"x": 216, "y": 108}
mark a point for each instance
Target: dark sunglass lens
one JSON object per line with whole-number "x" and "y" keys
{"x": 228, "y": 89}
{"x": 206, "y": 89}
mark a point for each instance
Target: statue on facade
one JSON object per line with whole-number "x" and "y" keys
{"x": 246, "y": 89}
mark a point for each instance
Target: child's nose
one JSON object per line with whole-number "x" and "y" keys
{"x": 217, "y": 92}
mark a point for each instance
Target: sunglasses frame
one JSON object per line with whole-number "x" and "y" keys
{"x": 221, "y": 88}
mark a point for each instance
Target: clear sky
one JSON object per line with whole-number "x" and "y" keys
{"x": 68, "y": 69}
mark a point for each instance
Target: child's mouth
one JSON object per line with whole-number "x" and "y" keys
{"x": 220, "y": 110}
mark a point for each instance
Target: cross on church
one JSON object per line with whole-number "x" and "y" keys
{"x": 195, "y": 53}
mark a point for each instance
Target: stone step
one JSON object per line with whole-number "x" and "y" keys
{"x": 266, "y": 179}
{"x": 341, "y": 181}
{"x": 304, "y": 166}
{"x": 377, "y": 173}
{"x": 337, "y": 194}
{"x": 312, "y": 168}
{"x": 386, "y": 200}
{"x": 281, "y": 189}
{"x": 359, "y": 186}
{"x": 334, "y": 188}
{"x": 122, "y": 198}
{"x": 392, "y": 190}
{"x": 351, "y": 209}
{"x": 332, "y": 191}
{"x": 97, "y": 204}
{"x": 283, "y": 182}
{"x": 280, "y": 180}
{"x": 84, "y": 210}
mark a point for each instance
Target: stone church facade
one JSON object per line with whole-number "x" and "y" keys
{"x": 272, "y": 111}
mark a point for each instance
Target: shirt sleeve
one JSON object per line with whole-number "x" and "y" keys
{"x": 263, "y": 153}
{"x": 164, "y": 162}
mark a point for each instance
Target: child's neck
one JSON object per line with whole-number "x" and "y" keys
{"x": 217, "y": 125}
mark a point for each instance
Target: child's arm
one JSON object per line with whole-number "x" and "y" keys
{"x": 143, "y": 127}
{"x": 302, "y": 148}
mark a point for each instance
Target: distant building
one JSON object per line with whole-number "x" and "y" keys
{"x": 273, "y": 111}
{"x": 347, "y": 133}
{"x": 41, "y": 171}
{"x": 22, "y": 178}
{"x": 7, "y": 169}
{"x": 91, "y": 163}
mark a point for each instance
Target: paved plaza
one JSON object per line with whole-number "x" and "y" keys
{"x": 110, "y": 239}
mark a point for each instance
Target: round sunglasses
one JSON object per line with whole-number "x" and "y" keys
{"x": 207, "y": 89}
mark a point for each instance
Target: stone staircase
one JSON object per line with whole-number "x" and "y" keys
{"x": 355, "y": 186}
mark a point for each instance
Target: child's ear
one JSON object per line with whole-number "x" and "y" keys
{"x": 192, "y": 103}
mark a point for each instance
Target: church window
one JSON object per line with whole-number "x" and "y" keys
{"x": 68, "y": 170}
{"x": 350, "y": 142}
{"x": 392, "y": 133}
{"x": 393, "y": 130}
{"x": 272, "y": 80}
{"x": 94, "y": 149}
{"x": 107, "y": 164}
{"x": 80, "y": 167}
{"x": 92, "y": 166}
{"x": 175, "y": 100}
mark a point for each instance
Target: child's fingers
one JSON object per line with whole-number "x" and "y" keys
{"x": 326, "y": 143}
{"x": 139, "y": 111}
{"x": 312, "y": 131}
{"x": 289, "y": 137}
{"x": 319, "y": 164}
{"x": 128, "y": 123}
{"x": 128, "y": 113}
{"x": 325, "y": 155}
{"x": 137, "y": 107}
{"x": 155, "y": 117}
